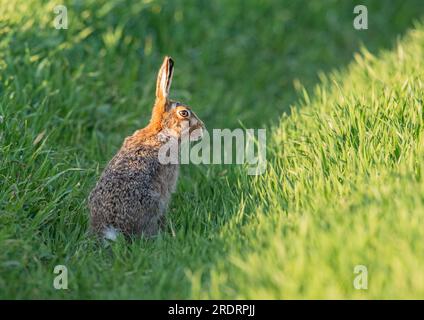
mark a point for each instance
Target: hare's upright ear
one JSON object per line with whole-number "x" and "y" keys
{"x": 164, "y": 80}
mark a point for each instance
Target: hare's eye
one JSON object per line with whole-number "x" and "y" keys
{"x": 184, "y": 113}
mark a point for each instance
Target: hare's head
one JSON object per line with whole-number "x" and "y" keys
{"x": 172, "y": 117}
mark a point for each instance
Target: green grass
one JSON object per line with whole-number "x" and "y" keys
{"x": 344, "y": 184}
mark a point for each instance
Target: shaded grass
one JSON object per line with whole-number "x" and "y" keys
{"x": 69, "y": 97}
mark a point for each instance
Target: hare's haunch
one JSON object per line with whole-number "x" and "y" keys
{"x": 133, "y": 191}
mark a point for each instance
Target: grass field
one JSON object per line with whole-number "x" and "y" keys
{"x": 344, "y": 114}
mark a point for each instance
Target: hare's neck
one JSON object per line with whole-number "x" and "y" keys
{"x": 165, "y": 135}
{"x": 142, "y": 137}
{"x": 147, "y": 137}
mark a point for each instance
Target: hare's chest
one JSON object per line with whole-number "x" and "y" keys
{"x": 168, "y": 178}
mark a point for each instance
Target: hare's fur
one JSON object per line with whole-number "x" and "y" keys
{"x": 133, "y": 192}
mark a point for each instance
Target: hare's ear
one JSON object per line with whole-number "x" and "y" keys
{"x": 164, "y": 80}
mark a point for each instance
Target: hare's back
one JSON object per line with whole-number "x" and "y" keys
{"x": 124, "y": 190}
{"x": 131, "y": 169}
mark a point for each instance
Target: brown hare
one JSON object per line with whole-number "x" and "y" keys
{"x": 134, "y": 190}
